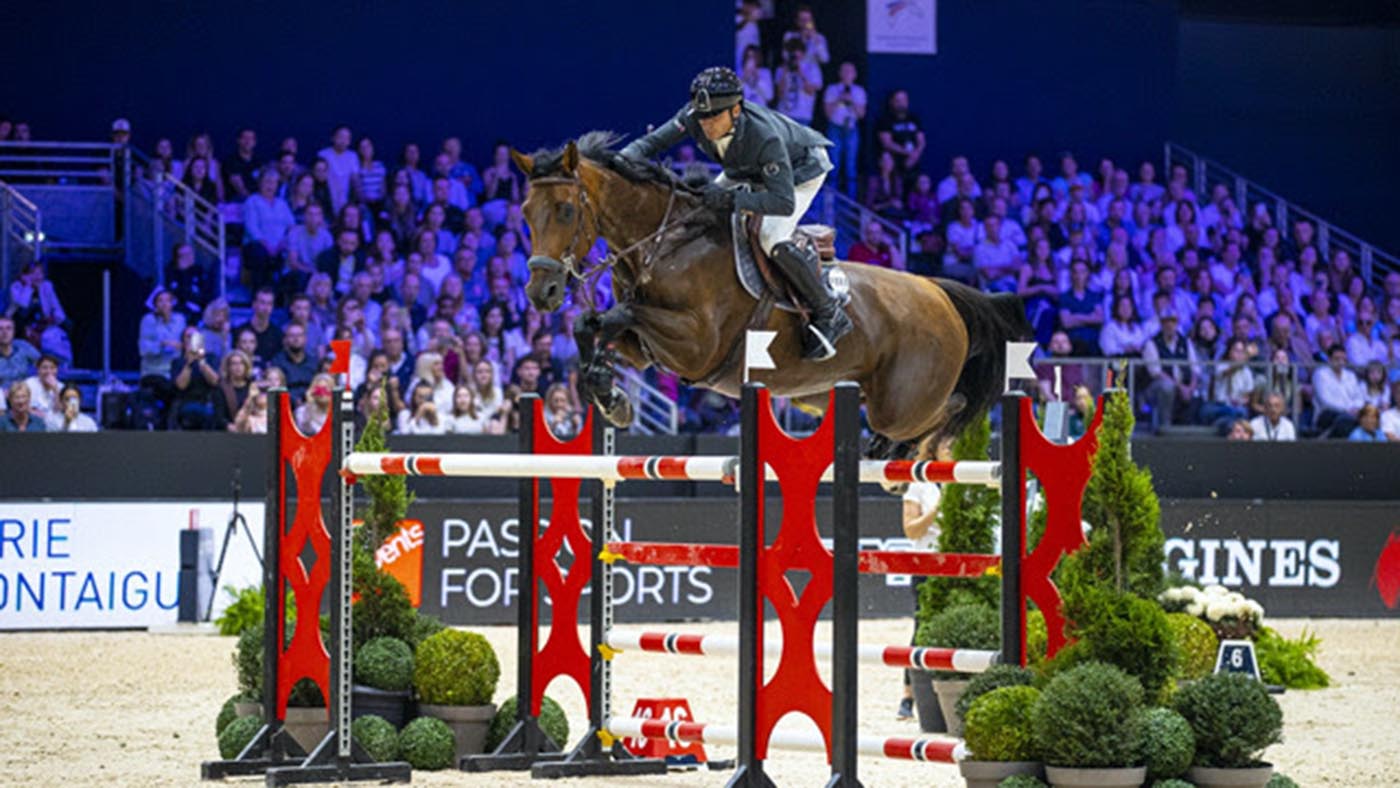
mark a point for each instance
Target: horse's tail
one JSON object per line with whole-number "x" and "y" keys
{"x": 992, "y": 321}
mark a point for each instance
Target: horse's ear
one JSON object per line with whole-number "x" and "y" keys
{"x": 571, "y": 158}
{"x": 525, "y": 163}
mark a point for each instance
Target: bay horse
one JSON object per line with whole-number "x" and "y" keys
{"x": 928, "y": 353}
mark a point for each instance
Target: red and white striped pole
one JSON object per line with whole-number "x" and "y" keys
{"x": 897, "y": 748}
{"x": 653, "y": 467}
{"x": 918, "y": 657}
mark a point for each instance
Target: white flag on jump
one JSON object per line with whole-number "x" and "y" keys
{"x": 1018, "y": 362}
{"x": 756, "y": 351}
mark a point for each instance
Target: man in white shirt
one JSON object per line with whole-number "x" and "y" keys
{"x": 845, "y": 104}
{"x": 1272, "y": 425}
{"x": 343, "y": 164}
{"x": 1390, "y": 417}
{"x": 1364, "y": 345}
{"x": 996, "y": 258}
{"x": 1337, "y": 394}
{"x": 948, "y": 187}
{"x": 797, "y": 80}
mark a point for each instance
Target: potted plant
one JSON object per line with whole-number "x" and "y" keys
{"x": 1233, "y": 718}
{"x": 972, "y": 626}
{"x": 1000, "y": 737}
{"x": 378, "y": 737}
{"x": 1088, "y": 729}
{"x": 1198, "y": 645}
{"x": 995, "y": 677}
{"x": 455, "y": 673}
{"x": 383, "y": 671}
{"x": 553, "y": 722}
{"x": 427, "y": 743}
{"x": 1167, "y": 744}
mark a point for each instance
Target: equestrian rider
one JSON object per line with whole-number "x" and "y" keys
{"x": 785, "y": 163}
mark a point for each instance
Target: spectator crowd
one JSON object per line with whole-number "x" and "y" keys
{"x": 420, "y": 262}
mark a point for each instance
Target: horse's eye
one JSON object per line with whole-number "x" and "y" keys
{"x": 566, "y": 212}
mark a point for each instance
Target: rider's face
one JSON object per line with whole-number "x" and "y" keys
{"x": 719, "y": 125}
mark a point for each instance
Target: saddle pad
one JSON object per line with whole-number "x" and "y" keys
{"x": 747, "y": 270}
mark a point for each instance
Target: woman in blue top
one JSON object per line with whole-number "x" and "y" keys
{"x": 1368, "y": 427}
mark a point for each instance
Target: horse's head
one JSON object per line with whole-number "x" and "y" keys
{"x": 563, "y": 221}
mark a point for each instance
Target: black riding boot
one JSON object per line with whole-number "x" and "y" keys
{"x": 829, "y": 321}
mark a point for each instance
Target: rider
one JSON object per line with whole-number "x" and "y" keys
{"x": 784, "y": 160}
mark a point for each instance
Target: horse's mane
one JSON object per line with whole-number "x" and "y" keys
{"x": 599, "y": 147}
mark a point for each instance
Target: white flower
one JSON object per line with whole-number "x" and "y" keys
{"x": 1196, "y": 608}
{"x": 1216, "y": 590}
{"x": 1219, "y": 609}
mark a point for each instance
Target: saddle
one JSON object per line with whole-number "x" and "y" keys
{"x": 759, "y": 278}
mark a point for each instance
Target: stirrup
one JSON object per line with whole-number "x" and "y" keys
{"x": 816, "y": 346}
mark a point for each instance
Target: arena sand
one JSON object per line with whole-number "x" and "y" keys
{"x": 138, "y": 709}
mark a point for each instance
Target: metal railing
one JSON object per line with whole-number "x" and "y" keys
{"x": 59, "y": 163}
{"x": 21, "y": 230}
{"x": 1371, "y": 262}
{"x": 656, "y": 412}
{"x": 849, "y": 219}
{"x": 1292, "y": 380}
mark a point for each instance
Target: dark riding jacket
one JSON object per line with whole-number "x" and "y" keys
{"x": 767, "y": 149}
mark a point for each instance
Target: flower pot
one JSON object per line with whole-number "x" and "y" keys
{"x": 469, "y": 724}
{"x": 1063, "y": 777}
{"x": 308, "y": 725}
{"x": 926, "y": 702}
{"x": 948, "y": 694}
{"x": 1249, "y": 777}
{"x": 988, "y": 774}
{"x": 391, "y": 705}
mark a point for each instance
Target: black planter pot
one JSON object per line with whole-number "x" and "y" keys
{"x": 926, "y": 702}
{"x": 392, "y": 706}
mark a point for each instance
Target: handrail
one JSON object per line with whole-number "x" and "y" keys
{"x": 656, "y": 412}
{"x": 841, "y": 211}
{"x": 40, "y": 161}
{"x": 1372, "y": 262}
{"x": 22, "y": 222}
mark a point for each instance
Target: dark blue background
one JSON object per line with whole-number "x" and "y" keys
{"x": 1309, "y": 110}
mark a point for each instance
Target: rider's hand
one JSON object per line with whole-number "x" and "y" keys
{"x": 718, "y": 198}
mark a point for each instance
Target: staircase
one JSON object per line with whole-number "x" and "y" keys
{"x": 21, "y": 232}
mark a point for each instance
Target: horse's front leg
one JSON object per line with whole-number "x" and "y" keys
{"x": 597, "y": 374}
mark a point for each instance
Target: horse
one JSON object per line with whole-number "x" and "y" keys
{"x": 928, "y": 353}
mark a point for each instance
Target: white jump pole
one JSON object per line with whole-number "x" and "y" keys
{"x": 917, "y": 657}
{"x": 657, "y": 468}
{"x": 897, "y": 748}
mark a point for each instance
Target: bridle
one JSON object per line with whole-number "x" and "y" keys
{"x": 569, "y": 263}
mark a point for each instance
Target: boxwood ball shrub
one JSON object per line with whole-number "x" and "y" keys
{"x": 1167, "y": 743}
{"x": 456, "y": 668}
{"x": 995, "y": 677}
{"x": 971, "y": 626}
{"x": 1233, "y": 717}
{"x": 1172, "y": 783}
{"x": 1087, "y": 718}
{"x": 236, "y": 735}
{"x": 1280, "y": 781}
{"x": 384, "y": 663}
{"x": 378, "y": 736}
{"x": 998, "y": 725}
{"x": 427, "y": 743}
{"x": 552, "y": 720}
{"x": 1197, "y": 642}
{"x": 1022, "y": 781}
{"x": 227, "y": 713}
{"x": 423, "y": 628}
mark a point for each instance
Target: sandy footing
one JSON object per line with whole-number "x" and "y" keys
{"x": 138, "y": 709}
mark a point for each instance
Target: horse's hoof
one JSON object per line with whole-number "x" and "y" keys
{"x": 619, "y": 411}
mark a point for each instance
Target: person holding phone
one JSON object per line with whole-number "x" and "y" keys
{"x": 70, "y": 416}
{"x": 194, "y": 380}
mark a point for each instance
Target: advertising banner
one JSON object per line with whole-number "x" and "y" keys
{"x": 901, "y": 27}
{"x": 109, "y": 565}
{"x": 470, "y": 574}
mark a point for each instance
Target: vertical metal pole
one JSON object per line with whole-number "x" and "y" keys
{"x": 106, "y": 325}
{"x": 342, "y": 427}
{"x": 221, "y": 262}
{"x": 751, "y": 541}
{"x": 845, "y": 598}
{"x": 1013, "y": 532}
{"x": 127, "y": 233}
{"x": 273, "y": 528}
{"x": 600, "y": 501}
{"x": 5, "y": 233}
{"x": 529, "y": 523}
